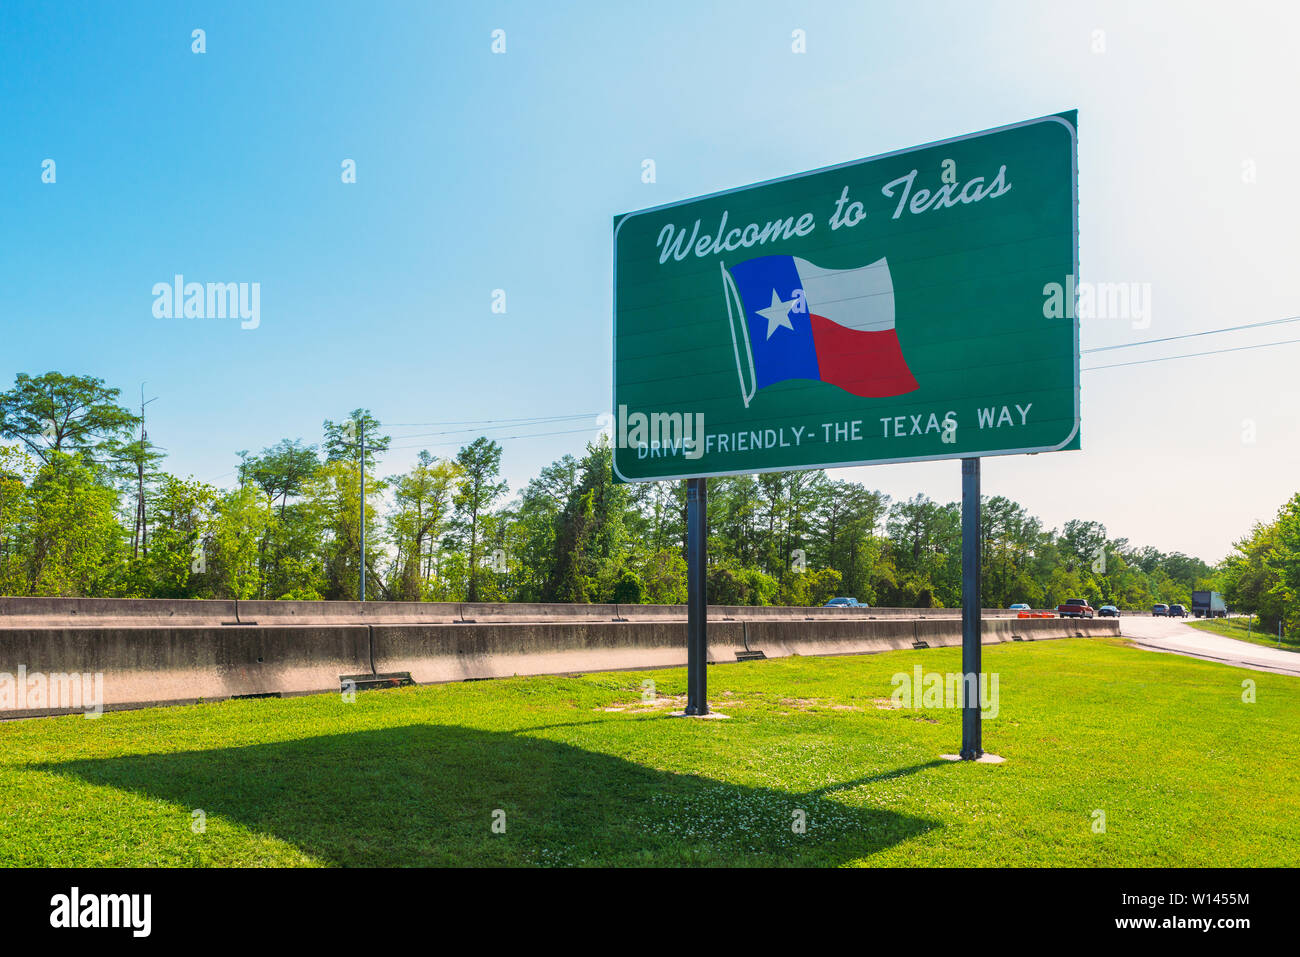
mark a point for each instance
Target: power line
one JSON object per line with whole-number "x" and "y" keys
{"x": 554, "y": 420}
{"x": 507, "y": 423}
{"x": 1193, "y": 335}
{"x": 501, "y": 438}
{"x": 544, "y": 420}
{"x": 530, "y": 420}
{"x": 1191, "y": 355}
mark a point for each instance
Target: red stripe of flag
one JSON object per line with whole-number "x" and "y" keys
{"x": 865, "y": 363}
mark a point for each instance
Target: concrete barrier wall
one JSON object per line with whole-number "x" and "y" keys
{"x": 775, "y": 638}
{"x": 432, "y": 653}
{"x": 778, "y": 639}
{"x": 154, "y": 653}
{"x": 168, "y": 665}
{"x": 60, "y": 612}
{"x": 42, "y": 612}
{"x": 347, "y": 612}
{"x": 457, "y": 652}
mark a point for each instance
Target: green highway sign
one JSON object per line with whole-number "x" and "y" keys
{"x": 911, "y": 306}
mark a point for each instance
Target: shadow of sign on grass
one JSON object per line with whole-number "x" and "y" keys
{"x": 428, "y": 795}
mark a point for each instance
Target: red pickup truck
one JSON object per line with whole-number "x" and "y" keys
{"x": 1075, "y": 608}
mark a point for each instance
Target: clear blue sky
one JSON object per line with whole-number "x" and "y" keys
{"x": 478, "y": 171}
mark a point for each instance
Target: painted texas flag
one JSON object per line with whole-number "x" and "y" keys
{"x": 792, "y": 319}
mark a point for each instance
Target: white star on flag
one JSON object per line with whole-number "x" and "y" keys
{"x": 777, "y": 314}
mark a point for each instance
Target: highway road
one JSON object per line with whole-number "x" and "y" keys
{"x": 1173, "y": 635}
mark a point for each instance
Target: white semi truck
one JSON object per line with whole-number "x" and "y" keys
{"x": 1208, "y": 604}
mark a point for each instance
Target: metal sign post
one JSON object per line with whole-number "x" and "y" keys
{"x": 697, "y": 601}
{"x": 971, "y": 747}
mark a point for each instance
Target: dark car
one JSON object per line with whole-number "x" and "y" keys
{"x": 1108, "y": 611}
{"x": 1160, "y": 611}
{"x": 1177, "y": 611}
{"x": 844, "y": 603}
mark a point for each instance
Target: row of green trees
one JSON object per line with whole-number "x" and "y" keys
{"x": 86, "y": 508}
{"x": 1262, "y": 575}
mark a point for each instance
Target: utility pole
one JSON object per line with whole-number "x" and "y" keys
{"x": 141, "y": 544}
{"x": 362, "y": 424}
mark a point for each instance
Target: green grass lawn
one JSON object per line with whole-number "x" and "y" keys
{"x": 586, "y": 773}
{"x": 1236, "y": 628}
